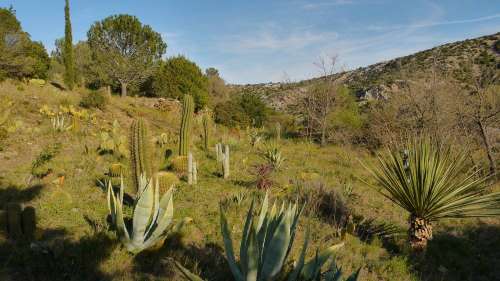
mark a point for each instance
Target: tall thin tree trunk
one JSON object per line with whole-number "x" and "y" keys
{"x": 487, "y": 147}
{"x": 124, "y": 89}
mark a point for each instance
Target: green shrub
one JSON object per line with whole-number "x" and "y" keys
{"x": 94, "y": 99}
{"x": 245, "y": 110}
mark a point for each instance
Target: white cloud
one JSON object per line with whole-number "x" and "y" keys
{"x": 434, "y": 23}
{"x": 270, "y": 38}
{"x": 318, "y": 5}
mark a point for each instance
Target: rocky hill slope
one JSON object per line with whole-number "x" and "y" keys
{"x": 380, "y": 80}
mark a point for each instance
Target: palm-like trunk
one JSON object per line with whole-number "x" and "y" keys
{"x": 419, "y": 233}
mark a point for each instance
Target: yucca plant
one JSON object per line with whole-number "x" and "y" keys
{"x": 152, "y": 217}
{"x": 431, "y": 182}
{"x": 266, "y": 244}
{"x": 273, "y": 157}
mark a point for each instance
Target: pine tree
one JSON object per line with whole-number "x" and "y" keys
{"x": 69, "y": 63}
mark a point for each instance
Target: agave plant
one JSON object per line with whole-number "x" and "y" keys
{"x": 152, "y": 217}
{"x": 274, "y": 157}
{"x": 432, "y": 183}
{"x": 265, "y": 247}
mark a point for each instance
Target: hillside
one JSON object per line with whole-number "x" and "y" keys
{"x": 75, "y": 242}
{"x": 380, "y": 80}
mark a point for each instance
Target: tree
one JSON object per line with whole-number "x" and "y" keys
{"x": 68, "y": 55}
{"x": 178, "y": 76}
{"x": 432, "y": 182}
{"x": 125, "y": 50}
{"x": 244, "y": 110}
{"x": 217, "y": 89}
{"x": 19, "y": 56}
{"x": 479, "y": 105}
{"x": 318, "y": 103}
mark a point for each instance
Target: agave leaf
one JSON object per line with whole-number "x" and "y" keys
{"x": 244, "y": 239}
{"x": 354, "y": 276}
{"x": 166, "y": 214}
{"x": 188, "y": 274}
{"x": 153, "y": 223}
{"x": 312, "y": 265}
{"x": 300, "y": 263}
{"x": 275, "y": 253}
{"x": 228, "y": 245}
{"x": 252, "y": 265}
{"x": 120, "y": 222}
{"x": 142, "y": 212}
{"x": 263, "y": 211}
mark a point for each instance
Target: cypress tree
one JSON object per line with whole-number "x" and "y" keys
{"x": 69, "y": 63}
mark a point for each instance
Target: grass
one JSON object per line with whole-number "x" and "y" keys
{"x": 74, "y": 241}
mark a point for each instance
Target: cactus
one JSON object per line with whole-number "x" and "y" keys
{"x": 29, "y": 222}
{"x": 14, "y": 220}
{"x": 190, "y": 168}
{"x": 205, "y": 121}
{"x": 180, "y": 164}
{"x": 187, "y": 118}
{"x": 139, "y": 154}
{"x": 116, "y": 170}
{"x": 225, "y": 162}
{"x": 195, "y": 172}
{"x": 218, "y": 152}
{"x": 166, "y": 180}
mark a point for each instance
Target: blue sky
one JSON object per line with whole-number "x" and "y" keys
{"x": 276, "y": 40}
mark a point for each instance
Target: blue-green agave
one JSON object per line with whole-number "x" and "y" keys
{"x": 265, "y": 247}
{"x": 152, "y": 217}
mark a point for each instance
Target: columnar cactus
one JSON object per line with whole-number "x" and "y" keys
{"x": 205, "y": 121}
{"x": 139, "y": 156}
{"x": 218, "y": 152}
{"x": 190, "y": 168}
{"x": 225, "y": 162}
{"x": 187, "y": 118}
{"x": 195, "y": 172}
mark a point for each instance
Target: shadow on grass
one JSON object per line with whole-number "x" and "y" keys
{"x": 207, "y": 261}
{"x": 17, "y": 194}
{"x": 55, "y": 256}
{"x": 473, "y": 254}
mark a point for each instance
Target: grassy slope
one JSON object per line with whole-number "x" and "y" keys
{"x": 74, "y": 242}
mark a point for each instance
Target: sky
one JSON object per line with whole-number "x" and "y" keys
{"x": 258, "y": 41}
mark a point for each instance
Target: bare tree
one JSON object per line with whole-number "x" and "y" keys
{"x": 319, "y": 101}
{"x": 479, "y": 105}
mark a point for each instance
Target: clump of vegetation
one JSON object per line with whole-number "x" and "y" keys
{"x": 113, "y": 141}
{"x": 242, "y": 111}
{"x": 273, "y": 156}
{"x": 40, "y": 167}
{"x": 94, "y": 99}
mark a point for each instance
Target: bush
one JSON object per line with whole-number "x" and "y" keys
{"x": 245, "y": 110}
{"x": 176, "y": 77}
{"x": 94, "y": 99}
